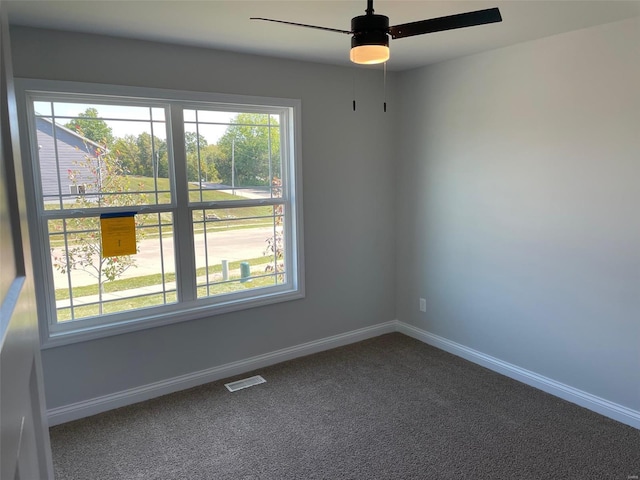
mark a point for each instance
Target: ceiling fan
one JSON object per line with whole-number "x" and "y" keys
{"x": 370, "y": 41}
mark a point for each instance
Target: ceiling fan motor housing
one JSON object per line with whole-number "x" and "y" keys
{"x": 370, "y": 30}
{"x": 370, "y": 40}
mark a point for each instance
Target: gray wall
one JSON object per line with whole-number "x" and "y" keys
{"x": 518, "y": 195}
{"x": 349, "y": 196}
{"x": 511, "y": 178}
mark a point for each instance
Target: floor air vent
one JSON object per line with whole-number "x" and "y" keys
{"x": 245, "y": 383}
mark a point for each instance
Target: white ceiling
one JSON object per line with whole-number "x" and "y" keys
{"x": 224, "y": 24}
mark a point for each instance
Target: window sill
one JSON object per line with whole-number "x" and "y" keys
{"x": 94, "y": 332}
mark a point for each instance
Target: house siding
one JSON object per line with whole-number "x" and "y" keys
{"x": 55, "y": 164}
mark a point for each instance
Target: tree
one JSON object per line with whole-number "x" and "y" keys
{"x": 247, "y": 147}
{"x": 193, "y": 144}
{"x": 152, "y": 154}
{"x": 105, "y": 185}
{"x": 128, "y": 152}
{"x": 161, "y": 158}
{"x": 208, "y": 157}
{"x": 90, "y": 126}
{"x": 140, "y": 156}
{"x": 275, "y": 243}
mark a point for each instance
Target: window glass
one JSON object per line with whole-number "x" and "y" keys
{"x": 238, "y": 249}
{"x": 234, "y": 218}
{"x": 101, "y": 155}
{"x": 236, "y": 152}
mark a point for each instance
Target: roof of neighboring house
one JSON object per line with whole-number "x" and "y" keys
{"x": 71, "y": 132}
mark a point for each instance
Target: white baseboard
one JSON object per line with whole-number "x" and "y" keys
{"x": 104, "y": 403}
{"x": 571, "y": 394}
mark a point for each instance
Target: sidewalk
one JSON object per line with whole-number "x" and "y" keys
{"x": 231, "y": 245}
{"x": 143, "y": 291}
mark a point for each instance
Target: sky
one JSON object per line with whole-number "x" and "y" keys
{"x": 134, "y": 120}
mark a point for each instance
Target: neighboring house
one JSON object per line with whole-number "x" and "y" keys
{"x": 57, "y": 164}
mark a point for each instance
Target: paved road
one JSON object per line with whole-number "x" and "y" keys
{"x": 231, "y": 245}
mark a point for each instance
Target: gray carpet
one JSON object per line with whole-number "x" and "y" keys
{"x": 386, "y": 408}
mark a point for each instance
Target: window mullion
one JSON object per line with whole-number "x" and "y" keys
{"x": 230, "y": 254}
{"x": 183, "y": 230}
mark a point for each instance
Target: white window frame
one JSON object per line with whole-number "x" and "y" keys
{"x": 55, "y": 334}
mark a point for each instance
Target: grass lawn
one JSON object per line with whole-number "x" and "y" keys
{"x": 220, "y": 218}
{"x": 149, "y": 280}
{"x": 224, "y": 219}
{"x": 153, "y": 300}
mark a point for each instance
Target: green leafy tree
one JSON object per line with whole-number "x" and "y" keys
{"x": 92, "y": 127}
{"x": 193, "y": 144}
{"x": 105, "y": 185}
{"x": 247, "y": 147}
{"x": 140, "y": 156}
{"x": 161, "y": 158}
{"x": 128, "y": 153}
{"x": 208, "y": 158}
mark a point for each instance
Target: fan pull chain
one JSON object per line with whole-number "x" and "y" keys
{"x": 354, "y": 89}
{"x": 384, "y": 87}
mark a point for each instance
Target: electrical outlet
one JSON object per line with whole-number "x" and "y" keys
{"x": 423, "y": 305}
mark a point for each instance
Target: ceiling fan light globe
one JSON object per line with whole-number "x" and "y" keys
{"x": 369, "y": 54}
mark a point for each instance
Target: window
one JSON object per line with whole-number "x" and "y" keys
{"x": 209, "y": 184}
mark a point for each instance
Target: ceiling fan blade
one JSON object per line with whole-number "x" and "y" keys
{"x": 461, "y": 20}
{"x": 302, "y": 25}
